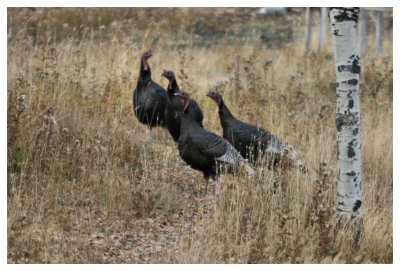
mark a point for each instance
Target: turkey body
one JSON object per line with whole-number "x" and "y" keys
{"x": 149, "y": 98}
{"x": 203, "y": 150}
{"x": 174, "y": 107}
{"x": 149, "y": 105}
{"x": 252, "y": 142}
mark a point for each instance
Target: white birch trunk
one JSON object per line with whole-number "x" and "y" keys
{"x": 308, "y": 30}
{"x": 343, "y": 22}
{"x": 379, "y": 31}
{"x": 362, "y": 32}
{"x": 322, "y": 29}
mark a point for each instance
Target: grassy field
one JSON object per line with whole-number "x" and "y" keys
{"x": 87, "y": 183}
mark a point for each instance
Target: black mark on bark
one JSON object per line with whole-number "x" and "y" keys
{"x": 357, "y": 205}
{"x": 350, "y": 68}
{"x": 350, "y": 152}
{"x": 354, "y": 67}
{"x": 346, "y": 119}
{"x": 355, "y": 131}
{"x": 346, "y": 14}
{"x": 351, "y": 104}
{"x": 350, "y": 149}
{"x": 352, "y": 82}
{"x": 351, "y": 173}
{"x": 336, "y": 33}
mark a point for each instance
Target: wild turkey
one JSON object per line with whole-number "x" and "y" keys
{"x": 149, "y": 98}
{"x": 253, "y": 143}
{"x": 174, "y": 107}
{"x": 204, "y": 150}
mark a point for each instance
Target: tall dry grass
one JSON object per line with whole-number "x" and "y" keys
{"x": 86, "y": 185}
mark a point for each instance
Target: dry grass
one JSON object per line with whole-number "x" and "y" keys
{"x": 85, "y": 185}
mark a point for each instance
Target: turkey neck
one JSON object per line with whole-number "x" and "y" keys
{"x": 225, "y": 116}
{"x": 173, "y": 87}
{"x": 145, "y": 75}
{"x": 187, "y": 122}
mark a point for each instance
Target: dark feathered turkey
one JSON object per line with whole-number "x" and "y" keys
{"x": 149, "y": 98}
{"x": 174, "y": 107}
{"x": 253, "y": 143}
{"x": 204, "y": 150}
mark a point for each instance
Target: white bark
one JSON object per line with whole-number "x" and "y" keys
{"x": 308, "y": 30}
{"x": 362, "y": 32}
{"x": 343, "y": 22}
{"x": 322, "y": 29}
{"x": 379, "y": 31}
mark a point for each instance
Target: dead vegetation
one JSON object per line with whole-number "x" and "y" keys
{"x": 86, "y": 185}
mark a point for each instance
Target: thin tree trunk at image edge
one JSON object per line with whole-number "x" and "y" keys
{"x": 348, "y": 117}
